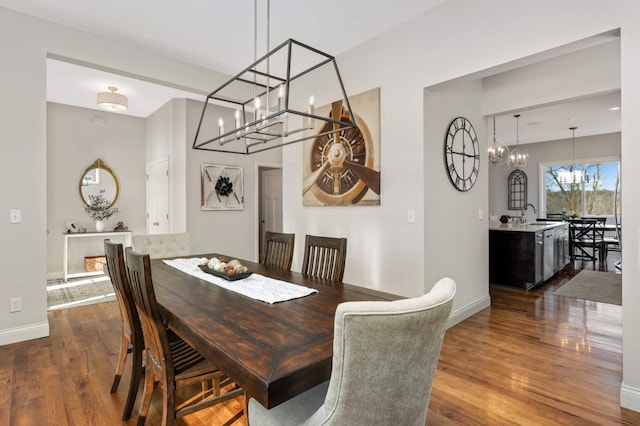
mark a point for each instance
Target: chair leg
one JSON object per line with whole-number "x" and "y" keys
{"x": 124, "y": 350}
{"x": 216, "y": 386}
{"x": 147, "y": 393}
{"x": 245, "y": 406}
{"x": 136, "y": 375}
{"x": 168, "y": 404}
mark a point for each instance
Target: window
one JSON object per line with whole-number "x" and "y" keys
{"x": 583, "y": 189}
{"x": 517, "y": 197}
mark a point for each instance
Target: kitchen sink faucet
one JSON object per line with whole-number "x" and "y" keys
{"x": 523, "y": 218}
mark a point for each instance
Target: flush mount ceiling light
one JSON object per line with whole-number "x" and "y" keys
{"x": 112, "y": 101}
{"x": 498, "y": 152}
{"x": 271, "y": 103}
{"x": 518, "y": 159}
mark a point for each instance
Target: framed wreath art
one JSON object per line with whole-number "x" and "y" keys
{"x": 222, "y": 187}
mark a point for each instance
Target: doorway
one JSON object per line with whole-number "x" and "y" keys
{"x": 158, "y": 197}
{"x": 270, "y": 203}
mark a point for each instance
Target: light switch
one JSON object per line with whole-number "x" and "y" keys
{"x": 15, "y": 216}
{"x": 411, "y": 216}
{"x": 480, "y": 214}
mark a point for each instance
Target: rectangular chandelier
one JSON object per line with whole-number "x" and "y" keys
{"x": 271, "y": 103}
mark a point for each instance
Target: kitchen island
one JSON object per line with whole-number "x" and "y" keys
{"x": 526, "y": 255}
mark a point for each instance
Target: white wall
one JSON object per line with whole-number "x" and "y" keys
{"x": 460, "y": 38}
{"x": 630, "y": 393}
{"x": 587, "y": 72}
{"x": 229, "y": 232}
{"x": 24, "y": 45}
{"x": 598, "y": 146}
{"x": 454, "y": 234}
{"x": 74, "y": 143}
{"x": 166, "y": 136}
{"x": 23, "y": 181}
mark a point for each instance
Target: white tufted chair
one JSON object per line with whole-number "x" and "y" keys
{"x": 162, "y": 245}
{"x": 385, "y": 356}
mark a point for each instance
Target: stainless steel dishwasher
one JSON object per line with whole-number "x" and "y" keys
{"x": 538, "y": 259}
{"x": 548, "y": 257}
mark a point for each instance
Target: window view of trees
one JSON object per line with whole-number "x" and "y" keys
{"x": 583, "y": 189}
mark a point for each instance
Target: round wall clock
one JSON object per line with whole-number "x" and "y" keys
{"x": 461, "y": 154}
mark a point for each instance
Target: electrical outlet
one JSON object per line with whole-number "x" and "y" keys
{"x": 15, "y": 216}
{"x": 16, "y": 304}
{"x": 411, "y": 216}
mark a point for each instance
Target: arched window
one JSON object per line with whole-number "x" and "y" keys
{"x": 517, "y": 188}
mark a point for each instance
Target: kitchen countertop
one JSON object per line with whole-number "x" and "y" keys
{"x": 527, "y": 227}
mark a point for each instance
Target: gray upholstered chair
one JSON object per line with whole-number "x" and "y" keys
{"x": 158, "y": 246}
{"x": 384, "y": 359}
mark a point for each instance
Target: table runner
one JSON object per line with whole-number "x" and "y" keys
{"x": 255, "y": 286}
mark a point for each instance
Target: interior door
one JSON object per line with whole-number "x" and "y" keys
{"x": 158, "y": 197}
{"x": 270, "y": 203}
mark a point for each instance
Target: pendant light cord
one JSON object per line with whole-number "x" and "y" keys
{"x": 494, "y": 131}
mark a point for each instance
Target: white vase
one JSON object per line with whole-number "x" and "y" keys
{"x": 100, "y": 225}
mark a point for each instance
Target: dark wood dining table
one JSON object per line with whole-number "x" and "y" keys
{"x": 273, "y": 351}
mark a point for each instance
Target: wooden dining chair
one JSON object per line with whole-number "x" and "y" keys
{"x": 585, "y": 240}
{"x": 279, "y": 250}
{"x": 131, "y": 340}
{"x": 612, "y": 242}
{"x": 173, "y": 364}
{"x": 324, "y": 257}
{"x": 391, "y": 346}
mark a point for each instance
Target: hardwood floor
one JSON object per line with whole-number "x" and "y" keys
{"x": 531, "y": 359}
{"x": 534, "y": 359}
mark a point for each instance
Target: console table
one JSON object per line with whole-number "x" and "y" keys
{"x": 102, "y": 235}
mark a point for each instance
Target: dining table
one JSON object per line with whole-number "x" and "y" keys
{"x": 274, "y": 351}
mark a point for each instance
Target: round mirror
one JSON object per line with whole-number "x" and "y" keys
{"x": 96, "y": 178}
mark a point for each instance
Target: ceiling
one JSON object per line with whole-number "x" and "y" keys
{"x": 191, "y": 30}
{"x": 213, "y": 34}
{"x": 592, "y": 116}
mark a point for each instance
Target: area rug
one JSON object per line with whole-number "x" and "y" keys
{"x": 594, "y": 285}
{"x": 79, "y": 292}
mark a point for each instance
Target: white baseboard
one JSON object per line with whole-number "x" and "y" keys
{"x": 54, "y": 275}
{"x": 468, "y": 311}
{"x": 630, "y": 397}
{"x": 21, "y": 334}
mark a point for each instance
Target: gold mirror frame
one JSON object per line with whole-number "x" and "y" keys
{"x": 88, "y": 178}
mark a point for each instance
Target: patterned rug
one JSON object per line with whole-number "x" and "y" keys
{"x": 594, "y": 285}
{"x": 79, "y": 292}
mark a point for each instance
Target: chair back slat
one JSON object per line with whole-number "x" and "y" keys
{"x": 324, "y": 257}
{"x": 279, "y": 250}
{"x": 155, "y": 335}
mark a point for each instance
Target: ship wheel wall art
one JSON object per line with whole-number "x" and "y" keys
{"x": 343, "y": 168}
